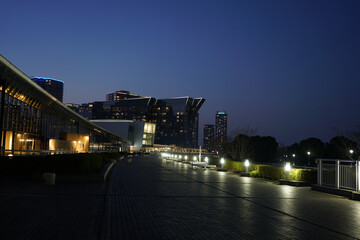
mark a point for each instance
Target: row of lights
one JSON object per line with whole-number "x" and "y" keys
{"x": 222, "y": 161}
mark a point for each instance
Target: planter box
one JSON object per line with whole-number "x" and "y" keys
{"x": 221, "y": 170}
{"x": 294, "y": 183}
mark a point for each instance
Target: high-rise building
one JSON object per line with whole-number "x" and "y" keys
{"x": 53, "y": 86}
{"x": 220, "y": 130}
{"x": 176, "y": 118}
{"x": 209, "y": 137}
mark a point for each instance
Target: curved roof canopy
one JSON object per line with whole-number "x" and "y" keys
{"x": 20, "y": 86}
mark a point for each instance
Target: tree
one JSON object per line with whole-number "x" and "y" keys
{"x": 265, "y": 149}
{"x": 339, "y": 148}
{"x": 238, "y": 145}
{"x": 239, "y": 148}
{"x": 314, "y": 146}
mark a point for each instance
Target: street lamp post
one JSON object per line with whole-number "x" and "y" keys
{"x": 287, "y": 170}
{"x": 222, "y": 160}
{"x": 247, "y": 163}
{"x": 308, "y": 153}
{"x": 293, "y": 159}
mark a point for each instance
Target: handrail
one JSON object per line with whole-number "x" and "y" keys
{"x": 339, "y": 175}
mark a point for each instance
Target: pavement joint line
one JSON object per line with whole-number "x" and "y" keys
{"x": 103, "y": 226}
{"x": 267, "y": 207}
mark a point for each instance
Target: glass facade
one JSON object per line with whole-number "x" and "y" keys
{"x": 149, "y": 134}
{"x": 33, "y": 121}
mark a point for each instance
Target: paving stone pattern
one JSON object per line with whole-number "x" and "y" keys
{"x": 150, "y": 198}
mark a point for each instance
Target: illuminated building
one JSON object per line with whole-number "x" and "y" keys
{"x": 209, "y": 137}
{"x": 53, "y": 86}
{"x": 220, "y": 130}
{"x": 85, "y": 110}
{"x": 176, "y": 119}
{"x": 32, "y": 121}
{"x": 121, "y": 95}
{"x": 139, "y": 134}
{"x": 73, "y": 106}
{"x": 176, "y": 122}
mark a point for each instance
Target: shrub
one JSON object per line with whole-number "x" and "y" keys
{"x": 306, "y": 175}
{"x": 234, "y": 165}
{"x": 271, "y": 172}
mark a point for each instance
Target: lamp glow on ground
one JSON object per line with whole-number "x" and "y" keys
{"x": 287, "y": 170}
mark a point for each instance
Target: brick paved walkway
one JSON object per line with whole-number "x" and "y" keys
{"x": 153, "y": 199}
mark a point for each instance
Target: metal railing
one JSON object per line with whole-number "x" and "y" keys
{"x": 337, "y": 173}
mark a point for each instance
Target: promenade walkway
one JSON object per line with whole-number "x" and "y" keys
{"x": 149, "y": 198}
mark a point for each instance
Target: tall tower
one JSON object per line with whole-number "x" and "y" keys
{"x": 53, "y": 86}
{"x": 220, "y": 130}
{"x": 209, "y": 137}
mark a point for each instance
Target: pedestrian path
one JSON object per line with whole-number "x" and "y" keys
{"x": 149, "y": 198}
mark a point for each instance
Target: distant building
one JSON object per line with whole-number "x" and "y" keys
{"x": 209, "y": 137}
{"x": 139, "y": 134}
{"x": 53, "y": 86}
{"x": 195, "y": 132}
{"x": 121, "y": 95}
{"x": 176, "y": 122}
{"x": 176, "y": 119}
{"x": 73, "y": 106}
{"x": 85, "y": 110}
{"x": 220, "y": 130}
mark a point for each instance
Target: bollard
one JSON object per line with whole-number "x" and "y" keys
{"x": 49, "y": 178}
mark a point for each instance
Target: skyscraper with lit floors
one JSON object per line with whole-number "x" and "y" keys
{"x": 220, "y": 130}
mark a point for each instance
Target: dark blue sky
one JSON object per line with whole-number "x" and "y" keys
{"x": 288, "y": 68}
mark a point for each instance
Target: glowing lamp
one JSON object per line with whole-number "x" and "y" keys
{"x": 287, "y": 167}
{"x": 247, "y": 163}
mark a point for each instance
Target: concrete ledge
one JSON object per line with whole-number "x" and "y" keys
{"x": 244, "y": 174}
{"x": 87, "y": 178}
{"x": 221, "y": 170}
{"x": 294, "y": 183}
{"x": 340, "y": 192}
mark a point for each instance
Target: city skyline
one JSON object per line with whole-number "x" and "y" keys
{"x": 288, "y": 69}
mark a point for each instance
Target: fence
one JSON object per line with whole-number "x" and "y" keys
{"x": 342, "y": 174}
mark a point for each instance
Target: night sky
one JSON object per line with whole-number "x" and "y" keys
{"x": 287, "y": 68}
